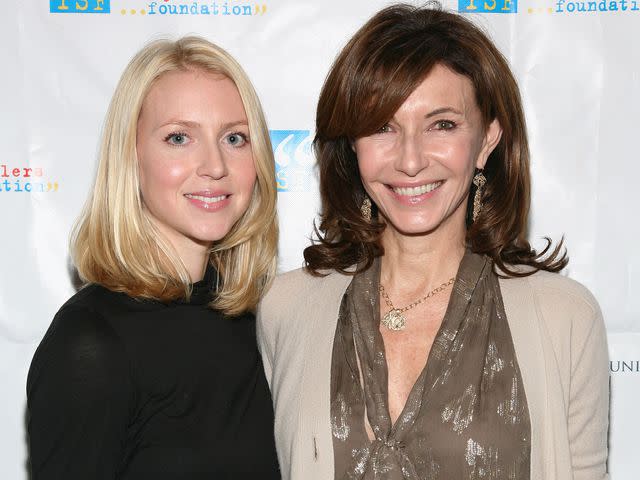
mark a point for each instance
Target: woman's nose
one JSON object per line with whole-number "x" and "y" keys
{"x": 412, "y": 157}
{"x": 212, "y": 162}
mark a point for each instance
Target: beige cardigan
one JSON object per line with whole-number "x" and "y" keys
{"x": 560, "y": 343}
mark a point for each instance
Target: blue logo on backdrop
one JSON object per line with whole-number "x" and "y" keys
{"x": 488, "y": 6}
{"x": 294, "y": 160}
{"x": 79, "y": 6}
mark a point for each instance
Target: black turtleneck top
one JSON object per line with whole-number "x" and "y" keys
{"x": 121, "y": 388}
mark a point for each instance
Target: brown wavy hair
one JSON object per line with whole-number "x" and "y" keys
{"x": 370, "y": 79}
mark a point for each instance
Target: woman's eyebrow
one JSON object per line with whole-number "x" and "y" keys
{"x": 439, "y": 111}
{"x": 182, "y": 123}
{"x": 193, "y": 124}
{"x": 234, "y": 124}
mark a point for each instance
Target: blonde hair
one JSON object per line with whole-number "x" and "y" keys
{"x": 114, "y": 242}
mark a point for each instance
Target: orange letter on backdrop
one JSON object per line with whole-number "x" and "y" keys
{"x": 490, "y": 6}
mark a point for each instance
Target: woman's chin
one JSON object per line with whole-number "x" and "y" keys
{"x": 414, "y": 228}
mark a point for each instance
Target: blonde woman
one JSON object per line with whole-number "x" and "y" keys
{"x": 151, "y": 371}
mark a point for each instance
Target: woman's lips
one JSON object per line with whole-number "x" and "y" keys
{"x": 210, "y": 201}
{"x": 416, "y": 190}
{"x": 411, "y": 195}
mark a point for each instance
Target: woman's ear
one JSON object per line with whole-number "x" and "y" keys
{"x": 489, "y": 143}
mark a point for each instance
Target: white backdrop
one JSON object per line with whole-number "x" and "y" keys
{"x": 577, "y": 62}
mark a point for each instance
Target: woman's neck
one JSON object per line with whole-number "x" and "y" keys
{"x": 194, "y": 256}
{"x": 420, "y": 263}
{"x": 196, "y": 266}
{"x": 193, "y": 253}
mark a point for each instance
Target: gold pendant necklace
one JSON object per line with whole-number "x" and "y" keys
{"x": 394, "y": 318}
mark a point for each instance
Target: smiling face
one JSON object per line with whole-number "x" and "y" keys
{"x": 418, "y": 168}
{"x": 195, "y": 161}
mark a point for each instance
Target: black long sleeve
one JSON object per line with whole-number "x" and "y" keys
{"x": 127, "y": 389}
{"x": 79, "y": 393}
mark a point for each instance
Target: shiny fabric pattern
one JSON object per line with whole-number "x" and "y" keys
{"x": 466, "y": 417}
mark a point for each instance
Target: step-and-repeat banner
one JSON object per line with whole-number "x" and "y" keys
{"x": 577, "y": 63}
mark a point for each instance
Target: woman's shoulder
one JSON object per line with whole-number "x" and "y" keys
{"x": 565, "y": 307}
{"x": 83, "y": 312}
{"x": 301, "y": 284}
{"x": 553, "y": 288}
{"x": 80, "y": 336}
{"x": 298, "y": 294}
{"x": 300, "y": 277}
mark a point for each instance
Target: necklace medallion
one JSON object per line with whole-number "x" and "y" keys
{"x": 394, "y": 320}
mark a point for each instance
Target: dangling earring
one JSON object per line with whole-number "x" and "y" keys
{"x": 365, "y": 208}
{"x": 479, "y": 181}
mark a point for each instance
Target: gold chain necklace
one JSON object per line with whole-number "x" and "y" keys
{"x": 394, "y": 319}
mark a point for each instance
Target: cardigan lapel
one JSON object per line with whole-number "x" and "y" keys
{"x": 527, "y": 340}
{"x": 316, "y": 379}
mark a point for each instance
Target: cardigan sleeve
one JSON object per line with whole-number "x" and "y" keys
{"x": 79, "y": 394}
{"x": 264, "y": 332}
{"x": 588, "y": 409}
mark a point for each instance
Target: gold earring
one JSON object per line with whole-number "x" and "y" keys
{"x": 365, "y": 208}
{"x": 479, "y": 180}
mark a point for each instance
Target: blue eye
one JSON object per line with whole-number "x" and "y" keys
{"x": 177, "y": 139}
{"x": 236, "y": 139}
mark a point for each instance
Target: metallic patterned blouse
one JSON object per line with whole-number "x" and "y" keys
{"x": 466, "y": 417}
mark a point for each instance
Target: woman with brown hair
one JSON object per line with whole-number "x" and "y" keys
{"x": 426, "y": 338}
